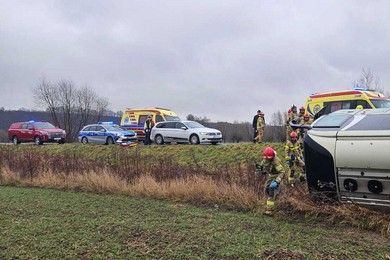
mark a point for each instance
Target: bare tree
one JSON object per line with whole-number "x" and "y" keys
{"x": 370, "y": 81}
{"x": 69, "y": 107}
{"x": 45, "y": 94}
{"x": 85, "y": 99}
{"x": 367, "y": 80}
{"x": 276, "y": 128}
{"x": 67, "y": 98}
{"x": 101, "y": 107}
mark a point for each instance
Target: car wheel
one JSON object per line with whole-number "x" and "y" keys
{"x": 110, "y": 140}
{"x": 37, "y": 140}
{"x": 84, "y": 140}
{"x": 159, "y": 139}
{"x": 15, "y": 140}
{"x": 214, "y": 143}
{"x": 194, "y": 139}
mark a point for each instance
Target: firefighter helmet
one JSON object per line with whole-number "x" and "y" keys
{"x": 306, "y": 115}
{"x": 269, "y": 153}
{"x": 302, "y": 108}
{"x": 293, "y": 135}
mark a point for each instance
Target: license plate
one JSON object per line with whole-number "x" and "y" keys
{"x": 57, "y": 138}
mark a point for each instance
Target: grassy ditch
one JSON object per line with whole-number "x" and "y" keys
{"x": 54, "y": 224}
{"x": 217, "y": 176}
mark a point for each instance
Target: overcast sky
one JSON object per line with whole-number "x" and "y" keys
{"x": 216, "y": 58}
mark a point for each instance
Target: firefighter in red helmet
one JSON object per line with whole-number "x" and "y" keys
{"x": 301, "y": 112}
{"x": 294, "y": 156}
{"x": 306, "y": 121}
{"x": 272, "y": 166}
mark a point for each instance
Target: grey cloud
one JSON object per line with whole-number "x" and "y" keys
{"x": 220, "y": 59}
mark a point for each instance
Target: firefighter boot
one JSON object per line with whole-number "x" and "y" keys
{"x": 291, "y": 178}
{"x": 270, "y": 207}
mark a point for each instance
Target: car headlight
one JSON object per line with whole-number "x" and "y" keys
{"x": 203, "y": 133}
{"x": 119, "y": 134}
{"x": 44, "y": 133}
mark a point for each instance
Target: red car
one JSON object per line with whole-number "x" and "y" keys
{"x": 37, "y": 132}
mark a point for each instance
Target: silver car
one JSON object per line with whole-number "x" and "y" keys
{"x": 105, "y": 133}
{"x": 184, "y": 132}
{"x": 347, "y": 156}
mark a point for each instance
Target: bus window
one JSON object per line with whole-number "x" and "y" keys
{"x": 334, "y": 106}
{"x": 142, "y": 119}
{"x": 363, "y": 103}
{"x": 381, "y": 103}
{"x": 159, "y": 118}
{"x": 347, "y": 105}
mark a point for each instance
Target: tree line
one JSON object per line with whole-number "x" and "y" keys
{"x": 72, "y": 107}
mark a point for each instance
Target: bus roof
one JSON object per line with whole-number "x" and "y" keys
{"x": 368, "y": 93}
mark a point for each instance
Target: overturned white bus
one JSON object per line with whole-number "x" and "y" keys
{"x": 347, "y": 154}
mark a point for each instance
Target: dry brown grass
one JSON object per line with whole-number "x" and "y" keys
{"x": 194, "y": 189}
{"x": 293, "y": 202}
{"x": 232, "y": 186}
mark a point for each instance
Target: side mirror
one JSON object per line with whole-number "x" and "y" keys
{"x": 31, "y": 128}
{"x": 102, "y": 130}
{"x": 184, "y": 128}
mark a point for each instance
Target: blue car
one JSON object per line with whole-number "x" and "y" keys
{"x": 105, "y": 133}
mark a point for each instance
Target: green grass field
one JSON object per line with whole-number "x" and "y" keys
{"x": 52, "y": 224}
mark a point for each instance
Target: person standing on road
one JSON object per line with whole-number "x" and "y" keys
{"x": 272, "y": 166}
{"x": 254, "y": 125}
{"x": 148, "y": 125}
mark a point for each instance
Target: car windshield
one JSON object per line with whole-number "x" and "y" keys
{"x": 113, "y": 128}
{"x": 43, "y": 125}
{"x": 172, "y": 118}
{"x": 381, "y": 103}
{"x": 194, "y": 124}
{"x": 332, "y": 121}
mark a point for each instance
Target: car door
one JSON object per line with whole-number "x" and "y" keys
{"x": 91, "y": 134}
{"x": 22, "y": 132}
{"x": 29, "y": 133}
{"x": 168, "y": 132}
{"x": 100, "y": 134}
{"x": 181, "y": 132}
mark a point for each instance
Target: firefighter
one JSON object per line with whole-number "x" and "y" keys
{"x": 148, "y": 125}
{"x": 301, "y": 112}
{"x": 294, "y": 159}
{"x": 291, "y": 115}
{"x": 260, "y": 128}
{"x": 306, "y": 121}
{"x": 272, "y": 166}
